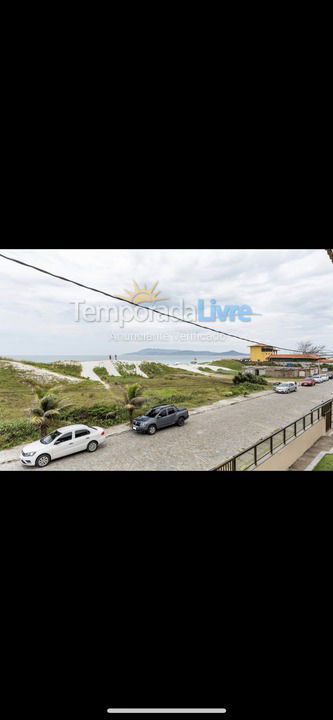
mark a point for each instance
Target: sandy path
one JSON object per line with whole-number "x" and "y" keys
{"x": 88, "y": 370}
{"x": 139, "y": 371}
{"x": 39, "y": 373}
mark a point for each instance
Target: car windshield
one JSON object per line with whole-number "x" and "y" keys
{"x": 153, "y": 412}
{"x": 284, "y": 384}
{"x": 49, "y": 438}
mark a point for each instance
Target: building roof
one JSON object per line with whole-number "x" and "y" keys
{"x": 296, "y": 357}
{"x": 262, "y": 345}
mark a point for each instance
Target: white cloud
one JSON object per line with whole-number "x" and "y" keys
{"x": 292, "y": 289}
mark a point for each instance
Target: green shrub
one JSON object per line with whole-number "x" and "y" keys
{"x": 15, "y": 432}
{"x": 105, "y": 415}
{"x": 249, "y": 379}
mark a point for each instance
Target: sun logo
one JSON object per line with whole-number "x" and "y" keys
{"x": 142, "y": 295}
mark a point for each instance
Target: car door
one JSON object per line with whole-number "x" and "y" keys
{"x": 172, "y": 416}
{"x": 162, "y": 419}
{"x": 64, "y": 445}
{"x": 81, "y": 439}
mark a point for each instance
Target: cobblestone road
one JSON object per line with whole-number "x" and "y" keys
{"x": 206, "y": 439}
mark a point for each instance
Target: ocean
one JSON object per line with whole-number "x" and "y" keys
{"x": 167, "y": 358}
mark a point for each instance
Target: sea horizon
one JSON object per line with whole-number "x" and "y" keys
{"x": 125, "y": 357}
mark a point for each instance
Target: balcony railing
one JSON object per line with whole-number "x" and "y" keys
{"x": 256, "y": 454}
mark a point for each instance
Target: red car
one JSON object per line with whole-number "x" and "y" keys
{"x": 308, "y": 383}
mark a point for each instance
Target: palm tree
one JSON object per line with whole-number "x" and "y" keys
{"x": 48, "y": 408}
{"x": 132, "y": 399}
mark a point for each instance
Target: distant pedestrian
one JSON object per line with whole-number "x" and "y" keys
{"x": 115, "y": 357}
{"x": 110, "y": 357}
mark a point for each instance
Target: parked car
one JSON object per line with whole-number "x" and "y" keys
{"x": 65, "y": 441}
{"x": 286, "y": 387}
{"x": 324, "y": 377}
{"x": 308, "y": 382}
{"x": 330, "y": 375}
{"x": 317, "y": 378}
{"x": 159, "y": 417}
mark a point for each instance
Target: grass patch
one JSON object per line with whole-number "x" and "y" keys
{"x": 125, "y": 369}
{"x": 72, "y": 369}
{"x": 325, "y": 464}
{"x": 16, "y": 393}
{"x": 102, "y": 373}
{"x": 231, "y": 364}
{"x": 94, "y": 404}
{"x": 153, "y": 369}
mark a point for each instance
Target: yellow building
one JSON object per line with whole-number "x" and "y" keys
{"x": 260, "y": 353}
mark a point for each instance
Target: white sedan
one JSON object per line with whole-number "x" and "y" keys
{"x": 286, "y": 387}
{"x": 65, "y": 441}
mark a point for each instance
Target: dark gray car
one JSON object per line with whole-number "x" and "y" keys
{"x": 158, "y": 417}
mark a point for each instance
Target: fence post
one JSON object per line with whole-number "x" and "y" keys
{"x": 284, "y": 436}
{"x": 255, "y": 455}
{"x": 234, "y": 464}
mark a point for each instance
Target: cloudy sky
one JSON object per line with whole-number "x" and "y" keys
{"x": 291, "y": 290}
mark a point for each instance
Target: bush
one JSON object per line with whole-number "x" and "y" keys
{"x": 106, "y": 415}
{"x": 15, "y": 432}
{"x": 249, "y": 379}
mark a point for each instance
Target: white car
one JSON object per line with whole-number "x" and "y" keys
{"x": 286, "y": 387}
{"x": 65, "y": 441}
{"x": 319, "y": 378}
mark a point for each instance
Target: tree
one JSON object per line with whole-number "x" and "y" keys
{"x": 132, "y": 399}
{"x": 48, "y": 408}
{"x": 309, "y": 348}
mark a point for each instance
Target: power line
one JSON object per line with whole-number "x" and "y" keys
{"x": 130, "y": 302}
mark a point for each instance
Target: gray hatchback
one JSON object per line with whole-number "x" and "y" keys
{"x": 159, "y": 417}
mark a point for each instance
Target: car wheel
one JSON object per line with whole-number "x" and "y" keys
{"x": 93, "y": 445}
{"x": 152, "y": 429}
{"x": 181, "y": 421}
{"x": 43, "y": 460}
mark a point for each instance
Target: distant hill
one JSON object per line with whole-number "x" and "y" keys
{"x": 155, "y": 352}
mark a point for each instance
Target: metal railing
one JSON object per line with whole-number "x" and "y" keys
{"x": 264, "y": 449}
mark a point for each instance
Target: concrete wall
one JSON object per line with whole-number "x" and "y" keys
{"x": 281, "y": 372}
{"x": 284, "y": 458}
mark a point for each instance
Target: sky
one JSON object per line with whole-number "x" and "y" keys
{"x": 289, "y": 290}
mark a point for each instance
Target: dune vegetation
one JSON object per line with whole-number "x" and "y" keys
{"x": 92, "y": 403}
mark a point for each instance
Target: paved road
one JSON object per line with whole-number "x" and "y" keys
{"x": 206, "y": 439}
